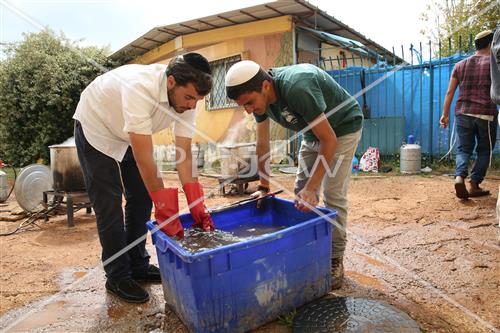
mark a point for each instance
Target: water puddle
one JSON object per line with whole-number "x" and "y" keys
{"x": 365, "y": 280}
{"x": 78, "y": 275}
{"x": 52, "y": 312}
{"x": 372, "y": 261}
{"x": 82, "y": 307}
{"x": 69, "y": 275}
{"x": 117, "y": 311}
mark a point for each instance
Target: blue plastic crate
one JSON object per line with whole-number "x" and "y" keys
{"x": 241, "y": 286}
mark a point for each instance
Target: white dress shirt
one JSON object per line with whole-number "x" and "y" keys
{"x": 130, "y": 98}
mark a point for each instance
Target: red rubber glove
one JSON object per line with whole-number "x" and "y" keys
{"x": 199, "y": 212}
{"x": 166, "y": 201}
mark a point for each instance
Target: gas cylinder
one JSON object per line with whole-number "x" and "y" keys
{"x": 4, "y": 186}
{"x": 410, "y": 158}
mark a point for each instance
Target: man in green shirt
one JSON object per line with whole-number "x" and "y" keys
{"x": 307, "y": 100}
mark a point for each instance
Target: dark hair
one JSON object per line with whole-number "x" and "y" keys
{"x": 191, "y": 68}
{"x": 483, "y": 42}
{"x": 254, "y": 84}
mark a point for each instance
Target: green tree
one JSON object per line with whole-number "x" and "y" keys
{"x": 41, "y": 79}
{"x": 456, "y": 22}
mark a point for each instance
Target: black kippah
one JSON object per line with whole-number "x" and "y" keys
{"x": 198, "y": 61}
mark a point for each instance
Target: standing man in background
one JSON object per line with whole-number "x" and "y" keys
{"x": 305, "y": 98}
{"x": 475, "y": 116}
{"x": 115, "y": 119}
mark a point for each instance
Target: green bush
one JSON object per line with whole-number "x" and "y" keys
{"x": 41, "y": 79}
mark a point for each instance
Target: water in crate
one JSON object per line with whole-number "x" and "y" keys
{"x": 196, "y": 240}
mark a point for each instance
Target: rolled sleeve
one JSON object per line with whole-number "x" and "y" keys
{"x": 184, "y": 125}
{"x": 138, "y": 106}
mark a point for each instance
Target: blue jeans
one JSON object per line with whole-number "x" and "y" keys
{"x": 473, "y": 133}
{"x": 104, "y": 186}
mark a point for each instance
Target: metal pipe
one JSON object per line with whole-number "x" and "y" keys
{"x": 395, "y": 75}
{"x": 411, "y": 89}
{"x": 431, "y": 102}
{"x": 386, "y": 97}
{"x": 403, "y": 92}
{"x": 421, "y": 99}
{"x": 440, "y": 86}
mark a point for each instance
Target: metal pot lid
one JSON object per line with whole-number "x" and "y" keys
{"x": 350, "y": 315}
{"x": 31, "y": 182}
{"x": 69, "y": 143}
{"x": 68, "y": 146}
{"x": 289, "y": 169}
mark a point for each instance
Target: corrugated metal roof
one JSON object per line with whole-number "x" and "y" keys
{"x": 304, "y": 13}
{"x": 346, "y": 43}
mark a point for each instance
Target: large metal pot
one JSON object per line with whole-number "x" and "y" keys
{"x": 238, "y": 159}
{"x": 66, "y": 170}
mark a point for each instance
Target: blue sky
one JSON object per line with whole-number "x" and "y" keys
{"x": 117, "y": 23}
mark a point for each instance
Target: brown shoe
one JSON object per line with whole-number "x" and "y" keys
{"x": 460, "y": 188}
{"x": 476, "y": 191}
{"x": 337, "y": 272}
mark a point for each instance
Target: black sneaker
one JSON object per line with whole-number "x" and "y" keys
{"x": 152, "y": 274}
{"x": 128, "y": 290}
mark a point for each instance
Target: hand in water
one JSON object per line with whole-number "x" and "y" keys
{"x": 306, "y": 199}
{"x": 259, "y": 194}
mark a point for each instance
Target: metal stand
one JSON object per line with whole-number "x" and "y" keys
{"x": 240, "y": 182}
{"x": 76, "y": 199}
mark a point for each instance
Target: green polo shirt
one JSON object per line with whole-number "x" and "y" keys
{"x": 305, "y": 91}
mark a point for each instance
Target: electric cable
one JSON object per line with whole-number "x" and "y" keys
{"x": 30, "y": 220}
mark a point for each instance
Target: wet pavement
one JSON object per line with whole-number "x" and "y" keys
{"x": 84, "y": 305}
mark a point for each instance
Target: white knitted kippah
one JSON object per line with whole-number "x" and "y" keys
{"x": 241, "y": 72}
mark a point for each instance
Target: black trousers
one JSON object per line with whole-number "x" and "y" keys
{"x": 103, "y": 177}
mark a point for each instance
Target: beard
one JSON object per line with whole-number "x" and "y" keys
{"x": 172, "y": 102}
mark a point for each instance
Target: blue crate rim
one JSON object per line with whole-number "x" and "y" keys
{"x": 189, "y": 257}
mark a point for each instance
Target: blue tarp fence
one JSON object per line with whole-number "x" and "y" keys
{"x": 413, "y": 93}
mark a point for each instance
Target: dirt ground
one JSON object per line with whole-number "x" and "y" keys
{"x": 412, "y": 243}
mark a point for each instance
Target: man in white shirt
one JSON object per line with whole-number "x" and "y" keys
{"x": 115, "y": 119}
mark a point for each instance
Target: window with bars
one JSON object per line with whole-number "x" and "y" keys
{"x": 217, "y": 98}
